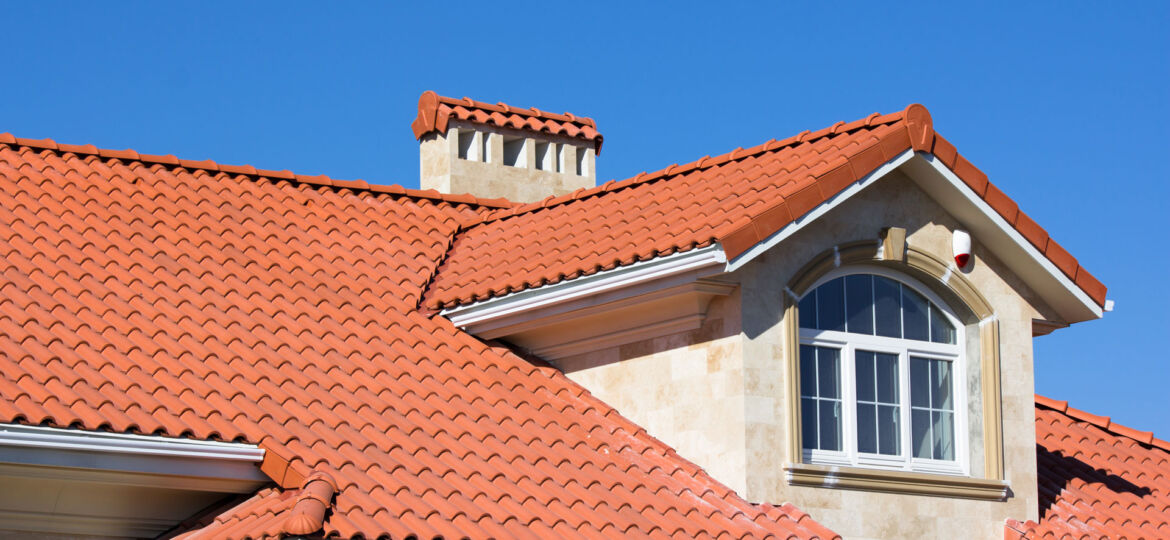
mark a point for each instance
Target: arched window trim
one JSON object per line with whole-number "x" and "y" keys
{"x": 848, "y": 343}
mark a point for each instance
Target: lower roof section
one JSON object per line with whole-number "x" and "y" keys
{"x": 1097, "y": 479}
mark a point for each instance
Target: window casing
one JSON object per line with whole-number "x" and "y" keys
{"x": 882, "y": 375}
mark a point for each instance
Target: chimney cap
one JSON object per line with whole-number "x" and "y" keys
{"x": 435, "y": 111}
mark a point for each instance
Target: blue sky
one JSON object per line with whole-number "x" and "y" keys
{"x": 1066, "y": 106}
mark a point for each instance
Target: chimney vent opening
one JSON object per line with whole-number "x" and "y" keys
{"x": 514, "y": 152}
{"x": 581, "y": 162}
{"x": 544, "y": 156}
{"x": 466, "y": 144}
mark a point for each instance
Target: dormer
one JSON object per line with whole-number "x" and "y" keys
{"x": 494, "y": 151}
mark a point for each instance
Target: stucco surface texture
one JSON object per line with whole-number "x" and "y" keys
{"x": 442, "y": 169}
{"x": 730, "y": 416}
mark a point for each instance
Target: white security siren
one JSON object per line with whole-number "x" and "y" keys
{"x": 961, "y": 245}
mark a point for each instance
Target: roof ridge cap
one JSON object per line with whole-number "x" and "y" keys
{"x": 703, "y": 163}
{"x": 505, "y": 108}
{"x": 170, "y": 160}
{"x": 1104, "y": 422}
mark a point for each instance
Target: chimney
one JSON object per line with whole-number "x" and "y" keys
{"x": 494, "y": 151}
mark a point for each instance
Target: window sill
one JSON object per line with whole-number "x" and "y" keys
{"x": 799, "y": 474}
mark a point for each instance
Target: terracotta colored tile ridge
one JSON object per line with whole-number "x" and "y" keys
{"x": 434, "y": 111}
{"x": 250, "y": 171}
{"x": 307, "y": 515}
{"x": 831, "y": 178}
{"x": 704, "y": 163}
{"x": 1104, "y": 422}
{"x": 1010, "y": 212}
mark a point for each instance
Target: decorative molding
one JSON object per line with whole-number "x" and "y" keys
{"x": 893, "y": 244}
{"x": 1041, "y": 327}
{"x": 955, "y": 289}
{"x": 639, "y": 273}
{"x": 611, "y": 319}
{"x": 799, "y": 474}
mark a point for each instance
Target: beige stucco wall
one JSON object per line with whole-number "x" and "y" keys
{"x": 441, "y": 168}
{"x": 729, "y": 415}
{"x": 686, "y": 386}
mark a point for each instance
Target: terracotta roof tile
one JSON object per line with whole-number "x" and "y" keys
{"x": 435, "y": 111}
{"x": 1097, "y": 479}
{"x": 736, "y": 199}
{"x": 154, "y": 295}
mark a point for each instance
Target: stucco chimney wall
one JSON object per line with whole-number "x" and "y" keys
{"x": 442, "y": 168}
{"x": 497, "y": 151}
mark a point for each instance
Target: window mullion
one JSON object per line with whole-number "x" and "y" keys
{"x": 849, "y": 402}
{"x": 904, "y": 407}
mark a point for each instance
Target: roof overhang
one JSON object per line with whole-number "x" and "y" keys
{"x": 66, "y": 481}
{"x": 1070, "y": 302}
{"x": 549, "y": 319}
{"x": 646, "y": 299}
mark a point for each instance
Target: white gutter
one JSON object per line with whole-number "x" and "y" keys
{"x": 43, "y": 438}
{"x": 557, "y": 293}
{"x": 118, "y": 458}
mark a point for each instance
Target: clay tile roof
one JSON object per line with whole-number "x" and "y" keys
{"x": 1097, "y": 479}
{"x": 435, "y": 111}
{"x": 183, "y": 298}
{"x": 737, "y": 200}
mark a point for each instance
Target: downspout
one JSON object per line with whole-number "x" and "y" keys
{"x": 308, "y": 512}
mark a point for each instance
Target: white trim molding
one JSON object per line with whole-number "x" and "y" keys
{"x": 983, "y": 223}
{"x": 565, "y": 291}
{"x": 646, "y": 299}
{"x": 816, "y": 213}
{"x": 68, "y": 481}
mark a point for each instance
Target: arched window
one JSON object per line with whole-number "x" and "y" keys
{"x": 882, "y": 379}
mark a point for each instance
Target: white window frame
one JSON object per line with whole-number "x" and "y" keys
{"x": 849, "y": 343}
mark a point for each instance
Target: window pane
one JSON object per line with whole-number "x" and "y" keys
{"x": 808, "y": 423}
{"x": 941, "y": 330}
{"x": 919, "y": 382}
{"x": 943, "y": 435}
{"x": 859, "y": 304}
{"x": 831, "y": 305}
{"x": 808, "y": 370}
{"x": 887, "y": 312}
{"x": 830, "y": 425}
{"x": 865, "y": 382}
{"x": 889, "y": 430}
{"x": 920, "y": 434}
{"x": 940, "y": 387}
{"x": 866, "y": 428}
{"x": 887, "y": 378}
{"x": 914, "y": 315}
{"x": 808, "y": 310}
{"x": 828, "y": 373}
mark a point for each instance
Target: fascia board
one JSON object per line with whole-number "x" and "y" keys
{"x": 1002, "y": 238}
{"x": 816, "y": 213}
{"x": 934, "y": 178}
{"x": 125, "y": 443}
{"x": 638, "y": 273}
{"x": 130, "y": 459}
